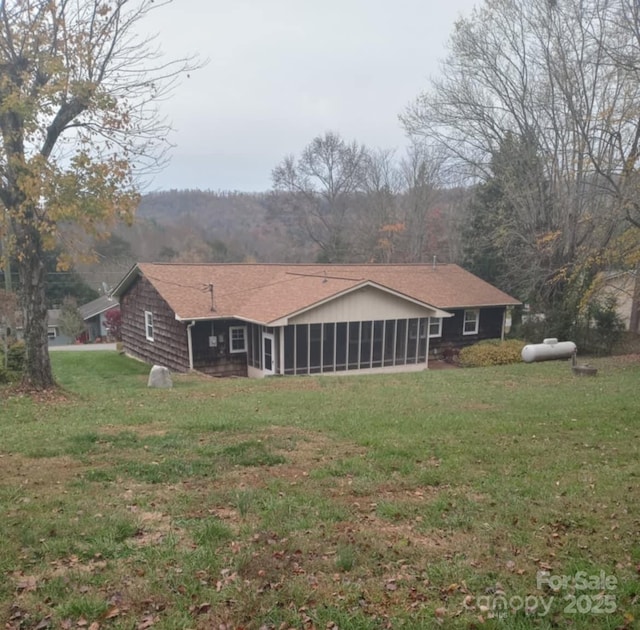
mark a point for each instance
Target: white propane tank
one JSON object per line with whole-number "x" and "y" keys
{"x": 548, "y": 350}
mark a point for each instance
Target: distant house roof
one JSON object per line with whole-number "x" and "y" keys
{"x": 269, "y": 292}
{"x": 97, "y": 306}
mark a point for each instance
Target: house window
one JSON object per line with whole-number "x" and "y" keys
{"x": 148, "y": 325}
{"x": 471, "y": 320}
{"x": 51, "y": 333}
{"x": 435, "y": 327}
{"x": 237, "y": 339}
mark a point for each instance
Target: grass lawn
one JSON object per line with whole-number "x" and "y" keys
{"x": 422, "y": 500}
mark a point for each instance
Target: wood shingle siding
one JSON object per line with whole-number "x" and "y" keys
{"x": 169, "y": 346}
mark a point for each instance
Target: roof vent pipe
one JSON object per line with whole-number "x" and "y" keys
{"x": 434, "y": 262}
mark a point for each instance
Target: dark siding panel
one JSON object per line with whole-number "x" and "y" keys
{"x": 218, "y": 360}
{"x": 490, "y": 327}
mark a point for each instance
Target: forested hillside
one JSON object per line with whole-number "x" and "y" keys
{"x": 206, "y": 226}
{"x": 195, "y": 226}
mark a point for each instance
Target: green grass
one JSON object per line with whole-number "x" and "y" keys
{"x": 408, "y": 500}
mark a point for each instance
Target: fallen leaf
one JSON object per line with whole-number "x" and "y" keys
{"x": 111, "y": 614}
{"x": 27, "y": 584}
{"x": 146, "y": 622}
{"x": 44, "y": 624}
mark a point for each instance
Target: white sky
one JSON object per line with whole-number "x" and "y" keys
{"x": 284, "y": 71}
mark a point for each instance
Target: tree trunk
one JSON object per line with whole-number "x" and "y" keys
{"x": 37, "y": 368}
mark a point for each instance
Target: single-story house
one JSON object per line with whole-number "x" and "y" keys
{"x": 262, "y": 319}
{"x": 94, "y": 314}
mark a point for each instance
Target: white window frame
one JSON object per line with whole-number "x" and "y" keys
{"x": 233, "y": 329}
{"x": 148, "y": 325}
{"x": 433, "y": 321}
{"x": 476, "y": 320}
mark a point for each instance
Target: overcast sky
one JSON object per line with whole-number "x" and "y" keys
{"x": 281, "y": 72}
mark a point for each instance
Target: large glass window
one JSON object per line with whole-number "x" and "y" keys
{"x": 341, "y": 346}
{"x": 422, "y": 347}
{"x": 302, "y": 340}
{"x": 389, "y": 342}
{"x": 289, "y": 350}
{"x": 412, "y": 342}
{"x": 365, "y": 345}
{"x": 354, "y": 345}
{"x": 401, "y": 341}
{"x": 257, "y": 352}
{"x": 315, "y": 348}
{"x": 328, "y": 347}
{"x": 378, "y": 333}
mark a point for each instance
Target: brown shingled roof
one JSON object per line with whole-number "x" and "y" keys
{"x": 267, "y": 292}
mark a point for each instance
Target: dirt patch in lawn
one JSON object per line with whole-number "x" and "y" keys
{"x": 303, "y": 452}
{"x": 17, "y": 469}
{"x": 140, "y": 430}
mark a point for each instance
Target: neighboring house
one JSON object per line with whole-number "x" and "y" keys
{"x": 56, "y": 338}
{"x": 262, "y": 319}
{"x": 94, "y": 314}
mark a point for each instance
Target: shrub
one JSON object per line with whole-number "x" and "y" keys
{"x": 601, "y": 327}
{"x": 113, "y": 324}
{"x": 492, "y": 352}
{"x": 15, "y": 363}
{"x": 15, "y": 357}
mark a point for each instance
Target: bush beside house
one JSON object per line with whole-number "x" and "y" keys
{"x": 492, "y": 352}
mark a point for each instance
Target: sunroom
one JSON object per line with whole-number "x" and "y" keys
{"x": 309, "y": 343}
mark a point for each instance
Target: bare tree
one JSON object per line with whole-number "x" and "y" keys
{"x": 376, "y": 207}
{"x": 545, "y": 76}
{"x": 420, "y": 174}
{"x": 78, "y": 124}
{"x": 320, "y": 187}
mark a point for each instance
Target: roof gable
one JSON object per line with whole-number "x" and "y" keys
{"x": 422, "y": 309}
